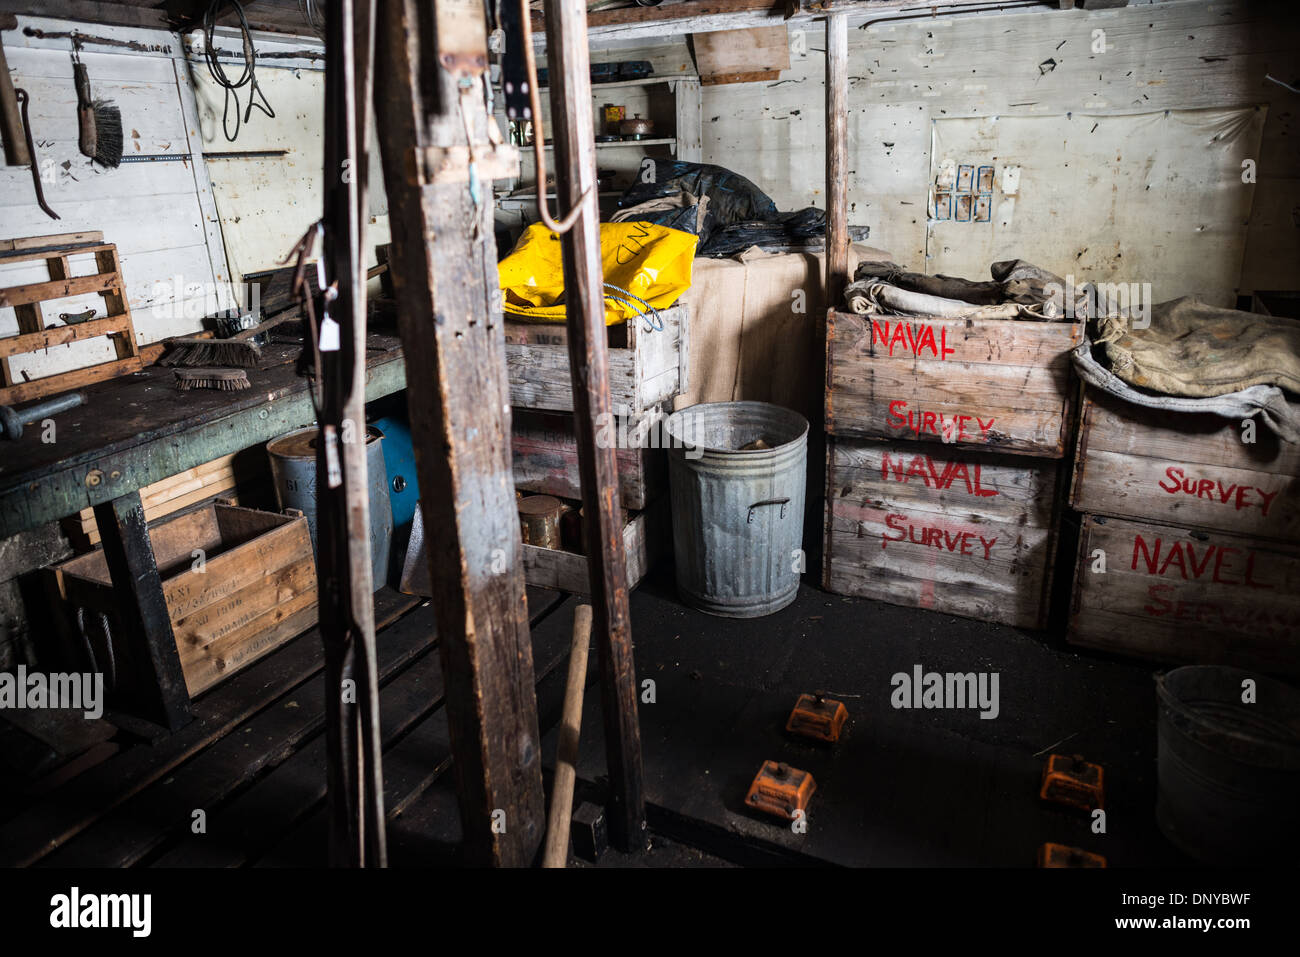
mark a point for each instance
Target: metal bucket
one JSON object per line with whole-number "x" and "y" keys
{"x": 737, "y": 515}
{"x": 293, "y": 467}
{"x": 1228, "y": 771}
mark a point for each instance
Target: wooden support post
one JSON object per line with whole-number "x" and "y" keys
{"x": 837, "y": 150}
{"x": 837, "y": 255}
{"x": 575, "y": 176}
{"x": 155, "y": 686}
{"x": 346, "y": 590}
{"x": 444, "y": 266}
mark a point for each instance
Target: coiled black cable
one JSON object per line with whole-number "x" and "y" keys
{"x": 249, "y": 76}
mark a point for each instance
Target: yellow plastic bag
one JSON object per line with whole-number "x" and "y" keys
{"x": 651, "y": 262}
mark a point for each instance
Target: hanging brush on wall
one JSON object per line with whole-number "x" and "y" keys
{"x": 99, "y": 121}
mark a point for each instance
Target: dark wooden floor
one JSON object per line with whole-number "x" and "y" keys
{"x": 902, "y": 787}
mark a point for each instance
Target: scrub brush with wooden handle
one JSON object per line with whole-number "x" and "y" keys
{"x": 99, "y": 122}
{"x": 228, "y": 380}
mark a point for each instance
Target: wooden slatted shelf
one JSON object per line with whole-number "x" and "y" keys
{"x": 34, "y": 336}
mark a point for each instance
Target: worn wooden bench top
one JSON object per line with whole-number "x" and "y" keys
{"x": 138, "y": 429}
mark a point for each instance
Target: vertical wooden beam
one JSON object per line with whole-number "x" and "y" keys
{"x": 346, "y": 589}
{"x": 155, "y": 684}
{"x": 444, "y": 267}
{"x": 817, "y": 533}
{"x": 837, "y": 150}
{"x": 690, "y": 120}
{"x": 575, "y": 175}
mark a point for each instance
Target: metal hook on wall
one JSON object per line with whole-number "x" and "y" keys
{"x": 539, "y": 148}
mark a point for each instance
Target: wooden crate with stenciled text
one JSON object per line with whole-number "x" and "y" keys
{"x": 1197, "y": 471}
{"x": 1001, "y": 385}
{"x": 1172, "y": 593}
{"x": 238, "y": 583}
{"x": 947, "y": 529}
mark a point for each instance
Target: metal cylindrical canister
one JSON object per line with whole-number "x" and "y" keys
{"x": 293, "y": 468}
{"x": 1228, "y": 768}
{"x": 539, "y": 520}
{"x": 737, "y": 475}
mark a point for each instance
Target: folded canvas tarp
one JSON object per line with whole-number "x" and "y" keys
{"x": 1195, "y": 357}
{"x": 1018, "y": 290}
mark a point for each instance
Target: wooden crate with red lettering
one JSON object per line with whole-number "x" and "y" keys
{"x": 995, "y": 384}
{"x": 544, "y": 455}
{"x": 952, "y": 530}
{"x": 1177, "y": 594}
{"x": 1196, "y": 471}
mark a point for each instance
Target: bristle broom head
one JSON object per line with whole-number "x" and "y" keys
{"x": 211, "y": 352}
{"x": 227, "y": 380}
{"x": 108, "y": 134}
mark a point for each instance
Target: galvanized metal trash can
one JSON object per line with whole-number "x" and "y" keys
{"x": 737, "y": 474}
{"x": 293, "y": 468}
{"x": 1228, "y": 770}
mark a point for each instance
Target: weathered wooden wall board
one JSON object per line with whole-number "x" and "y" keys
{"x": 903, "y": 75}
{"x": 160, "y": 215}
{"x": 724, "y": 55}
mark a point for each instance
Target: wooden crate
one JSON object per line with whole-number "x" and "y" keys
{"x": 952, "y": 530}
{"x": 255, "y": 589}
{"x": 647, "y": 535}
{"x": 1187, "y": 470}
{"x": 995, "y": 384}
{"x": 33, "y": 333}
{"x": 220, "y": 477}
{"x": 646, "y": 369}
{"x": 545, "y": 457}
{"x": 1178, "y": 594}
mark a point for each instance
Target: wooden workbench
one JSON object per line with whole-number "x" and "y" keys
{"x": 136, "y": 430}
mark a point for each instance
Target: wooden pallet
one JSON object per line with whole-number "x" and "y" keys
{"x": 33, "y": 335}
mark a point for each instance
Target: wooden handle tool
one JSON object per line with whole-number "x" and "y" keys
{"x": 566, "y": 759}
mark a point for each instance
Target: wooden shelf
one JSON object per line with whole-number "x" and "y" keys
{"x": 654, "y": 141}
{"x": 644, "y": 81}
{"x": 532, "y": 197}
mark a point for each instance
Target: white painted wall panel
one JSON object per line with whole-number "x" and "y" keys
{"x": 152, "y": 211}
{"x": 267, "y": 204}
{"x": 1144, "y": 198}
{"x": 904, "y": 75}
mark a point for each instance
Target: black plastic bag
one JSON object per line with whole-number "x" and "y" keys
{"x": 732, "y": 198}
{"x": 787, "y": 230}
